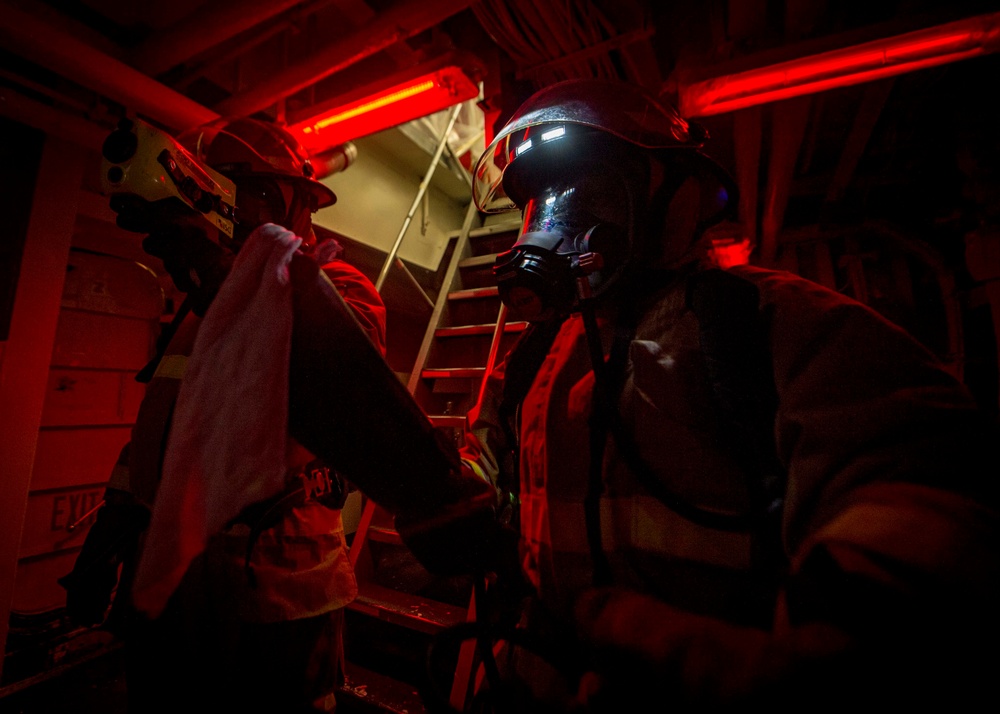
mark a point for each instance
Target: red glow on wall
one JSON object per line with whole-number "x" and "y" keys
{"x": 840, "y": 68}
{"x": 400, "y": 103}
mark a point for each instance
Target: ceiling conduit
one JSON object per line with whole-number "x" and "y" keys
{"x": 204, "y": 29}
{"x": 788, "y": 126}
{"x": 60, "y": 52}
{"x": 950, "y": 42}
{"x": 398, "y": 23}
{"x": 65, "y": 55}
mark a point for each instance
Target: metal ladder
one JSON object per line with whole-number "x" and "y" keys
{"x": 466, "y": 333}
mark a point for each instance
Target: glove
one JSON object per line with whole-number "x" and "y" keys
{"x": 89, "y": 594}
{"x": 137, "y": 215}
{"x": 91, "y": 585}
{"x": 459, "y": 533}
{"x": 196, "y": 264}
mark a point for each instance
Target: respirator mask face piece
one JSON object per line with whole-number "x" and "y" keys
{"x": 577, "y": 235}
{"x": 265, "y": 199}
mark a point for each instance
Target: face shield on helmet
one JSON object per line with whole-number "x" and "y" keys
{"x": 613, "y": 108}
{"x": 582, "y": 155}
{"x": 274, "y": 177}
{"x": 578, "y": 227}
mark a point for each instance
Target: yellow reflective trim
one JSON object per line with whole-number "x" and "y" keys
{"x": 632, "y": 523}
{"x": 476, "y": 469}
{"x": 171, "y": 367}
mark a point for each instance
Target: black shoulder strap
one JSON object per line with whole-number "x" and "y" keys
{"x": 523, "y": 362}
{"x": 145, "y": 374}
{"x": 739, "y": 364}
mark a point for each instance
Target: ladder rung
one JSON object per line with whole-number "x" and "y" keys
{"x": 511, "y": 225}
{"x": 447, "y": 420}
{"x": 473, "y": 293}
{"x": 486, "y": 328}
{"x": 400, "y": 608}
{"x": 381, "y": 534}
{"x": 446, "y": 373}
{"x": 478, "y": 261}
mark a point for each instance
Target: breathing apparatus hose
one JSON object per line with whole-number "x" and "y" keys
{"x": 599, "y": 424}
{"x": 501, "y": 693}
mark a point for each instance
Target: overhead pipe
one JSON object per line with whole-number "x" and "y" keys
{"x": 747, "y": 138}
{"x": 865, "y": 118}
{"x": 398, "y": 23}
{"x": 333, "y": 160}
{"x": 204, "y": 29}
{"x": 788, "y": 128}
{"x": 64, "y": 54}
{"x": 54, "y": 122}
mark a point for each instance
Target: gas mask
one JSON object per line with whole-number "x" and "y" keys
{"x": 577, "y": 236}
{"x": 265, "y": 199}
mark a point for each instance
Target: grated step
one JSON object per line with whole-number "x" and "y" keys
{"x": 478, "y": 261}
{"x": 486, "y": 328}
{"x": 454, "y": 421}
{"x": 514, "y": 224}
{"x": 411, "y": 611}
{"x": 474, "y": 293}
{"x": 367, "y": 691}
{"x": 452, "y": 373}
{"x": 383, "y": 534}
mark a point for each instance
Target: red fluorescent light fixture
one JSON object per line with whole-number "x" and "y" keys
{"x": 399, "y": 103}
{"x": 841, "y": 68}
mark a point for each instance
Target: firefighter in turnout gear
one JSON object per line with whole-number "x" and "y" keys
{"x": 732, "y": 486}
{"x": 252, "y": 619}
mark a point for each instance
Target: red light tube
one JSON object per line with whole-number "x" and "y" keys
{"x": 403, "y": 102}
{"x": 841, "y": 68}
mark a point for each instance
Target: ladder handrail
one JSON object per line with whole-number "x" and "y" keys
{"x": 368, "y": 512}
{"x": 464, "y": 675}
{"x": 491, "y": 361}
{"x": 442, "y": 143}
{"x": 442, "y": 301}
